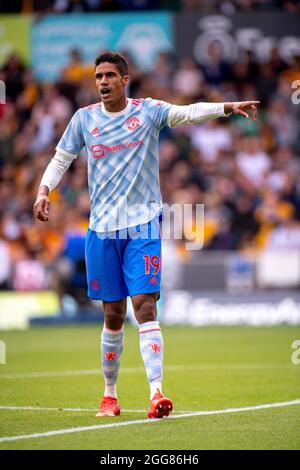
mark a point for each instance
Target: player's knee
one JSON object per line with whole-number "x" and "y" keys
{"x": 114, "y": 316}
{"x": 113, "y": 321}
{"x": 145, "y": 310}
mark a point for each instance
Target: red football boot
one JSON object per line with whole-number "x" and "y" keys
{"x": 160, "y": 406}
{"x": 109, "y": 406}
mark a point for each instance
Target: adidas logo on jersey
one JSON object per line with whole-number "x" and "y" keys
{"x": 153, "y": 280}
{"x": 95, "y": 132}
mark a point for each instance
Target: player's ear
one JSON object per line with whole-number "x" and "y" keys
{"x": 125, "y": 79}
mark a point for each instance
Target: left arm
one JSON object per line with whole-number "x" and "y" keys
{"x": 199, "y": 112}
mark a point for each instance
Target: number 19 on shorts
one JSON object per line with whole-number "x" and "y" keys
{"x": 151, "y": 262}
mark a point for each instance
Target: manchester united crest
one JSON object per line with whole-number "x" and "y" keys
{"x": 132, "y": 123}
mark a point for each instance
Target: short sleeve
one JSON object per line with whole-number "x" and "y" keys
{"x": 158, "y": 111}
{"x": 72, "y": 140}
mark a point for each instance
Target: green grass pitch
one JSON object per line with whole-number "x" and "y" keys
{"x": 206, "y": 369}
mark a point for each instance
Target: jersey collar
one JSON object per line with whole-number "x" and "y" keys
{"x": 118, "y": 113}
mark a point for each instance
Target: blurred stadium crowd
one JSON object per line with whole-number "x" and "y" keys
{"x": 223, "y": 6}
{"x": 246, "y": 173}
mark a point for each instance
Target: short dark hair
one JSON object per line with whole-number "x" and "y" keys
{"x": 113, "y": 58}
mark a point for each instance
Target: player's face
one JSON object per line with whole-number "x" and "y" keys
{"x": 110, "y": 84}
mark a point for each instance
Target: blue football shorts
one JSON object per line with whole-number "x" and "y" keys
{"x": 124, "y": 263}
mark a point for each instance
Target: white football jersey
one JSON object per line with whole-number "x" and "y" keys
{"x": 123, "y": 167}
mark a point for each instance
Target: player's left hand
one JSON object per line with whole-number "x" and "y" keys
{"x": 240, "y": 107}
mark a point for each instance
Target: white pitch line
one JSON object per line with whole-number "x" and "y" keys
{"x": 129, "y": 370}
{"x": 87, "y": 410}
{"x": 39, "y": 408}
{"x": 148, "y": 421}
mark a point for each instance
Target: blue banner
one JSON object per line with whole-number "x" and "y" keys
{"x": 144, "y": 36}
